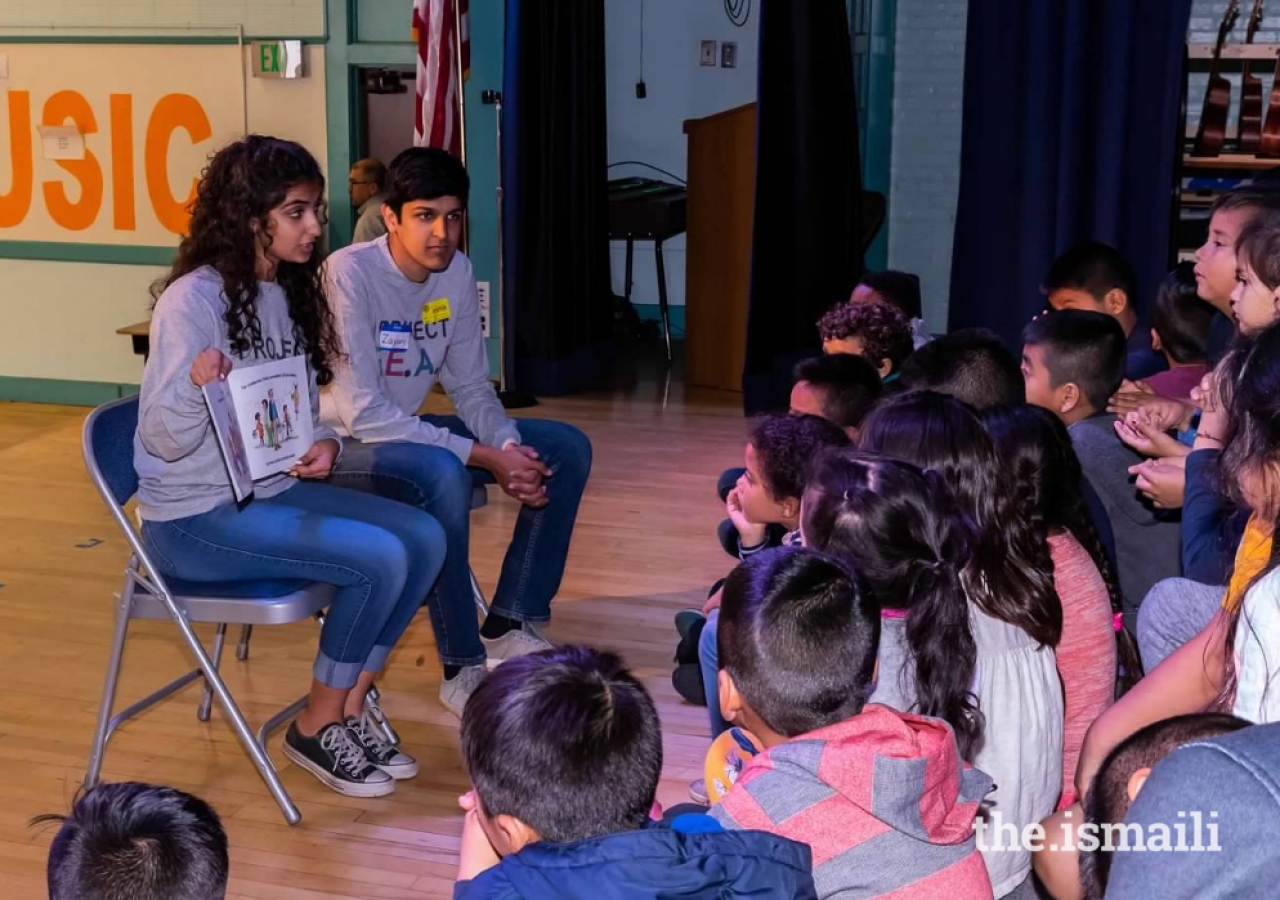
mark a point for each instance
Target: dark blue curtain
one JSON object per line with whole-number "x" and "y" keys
{"x": 556, "y": 292}
{"x": 1071, "y": 118}
{"x": 806, "y": 251}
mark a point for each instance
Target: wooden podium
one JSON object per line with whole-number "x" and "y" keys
{"x": 721, "y": 210}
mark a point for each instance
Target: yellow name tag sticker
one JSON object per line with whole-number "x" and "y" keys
{"x": 435, "y": 311}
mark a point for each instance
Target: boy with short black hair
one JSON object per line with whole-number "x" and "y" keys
{"x": 1180, "y": 332}
{"x": 860, "y": 783}
{"x": 875, "y": 330}
{"x": 1095, "y": 276}
{"x": 564, "y": 750}
{"x": 972, "y": 365}
{"x": 1072, "y": 362}
{"x": 1071, "y": 864}
{"x": 141, "y": 842}
{"x": 839, "y": 387}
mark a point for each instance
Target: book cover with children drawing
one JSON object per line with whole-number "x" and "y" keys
{"x": 262, "y": 417}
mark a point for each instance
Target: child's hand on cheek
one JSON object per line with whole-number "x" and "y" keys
{"x": 750, "y": 534}
{"x": 476, "y": 853}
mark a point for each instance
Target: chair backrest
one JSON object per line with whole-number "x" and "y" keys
{"x": 108, "y": 448}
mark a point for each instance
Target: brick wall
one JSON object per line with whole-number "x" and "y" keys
{"x": 928, "y": 93}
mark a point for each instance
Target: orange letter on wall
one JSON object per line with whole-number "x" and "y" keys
{"x": 79, "y": 215}
{"x": 14, "y": 204}
{"x": 123, "y": 215}
{"x": 174, "y": 111}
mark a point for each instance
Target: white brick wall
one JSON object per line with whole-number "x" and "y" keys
{"x": 928, "y": 93}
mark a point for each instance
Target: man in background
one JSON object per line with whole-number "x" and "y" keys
{"x": 366, "y": 183}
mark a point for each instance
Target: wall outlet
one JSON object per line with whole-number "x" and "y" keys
{"x": 728, "y": 55}
{"x": 482, "y": 289}
{"x": 708, "y": 57}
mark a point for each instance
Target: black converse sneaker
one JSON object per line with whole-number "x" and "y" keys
{"x": 339, "y": 760}
{"x": 381, "y": 752}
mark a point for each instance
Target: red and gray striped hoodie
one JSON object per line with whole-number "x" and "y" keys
{"x": 884, "y": 801}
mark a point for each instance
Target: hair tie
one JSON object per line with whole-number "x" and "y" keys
{"x": 1117, "y": 622}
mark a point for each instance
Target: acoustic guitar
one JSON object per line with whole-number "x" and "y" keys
{"x": 1212, "y": 132}
{"x": 1251, "y": 92}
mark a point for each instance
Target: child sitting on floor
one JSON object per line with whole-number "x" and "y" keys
{"x": 1180, "y": 332}
{"x": 875, "y": 330}
{"x": 779, "y": 454}
{"x": 1082, "y": 871}
{"x": 564, "y": 750}
{"x": 138, "y": 841}
{"x": 860, "y": 783}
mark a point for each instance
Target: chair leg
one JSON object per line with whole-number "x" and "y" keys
{"x": 477, "y": 594}
{"x": 374, "y": 711}
{"x": 206, "y": 698}
{"x": 242, "y": 648}
{"x": 101, "y": 732}
{"x": 257, "y": 752}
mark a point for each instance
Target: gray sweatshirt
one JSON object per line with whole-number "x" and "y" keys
{"x": 180, "y": 467}
{"x": 398, "y": 336}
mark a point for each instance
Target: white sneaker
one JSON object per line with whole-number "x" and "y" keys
{"x": 456, "y": 691}
{"x": 514, "y": 643}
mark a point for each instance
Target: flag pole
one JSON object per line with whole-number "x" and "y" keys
{"x": 462, "y": 108}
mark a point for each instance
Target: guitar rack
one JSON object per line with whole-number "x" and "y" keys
{"x": 1207, "y": 122}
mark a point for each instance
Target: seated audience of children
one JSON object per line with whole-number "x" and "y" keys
{"x": 902, "y": 289}
{"x": 875, "y": 330}
{"x": 1096, "y": 277}
{"x": 1073, "y": 362}
{"x": 138, "y": 841}
{"x": 564, "y": 749}
{"x": 860, "y": 783}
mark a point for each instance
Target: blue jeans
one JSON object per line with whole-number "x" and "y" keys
{"x": 709, "y": 658}
{"x": 435, "y": 480}
{"x": 382, "y": 558}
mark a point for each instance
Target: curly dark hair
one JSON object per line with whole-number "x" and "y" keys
{"x": 1047, "y": 482}
{"x": 1007, "y": 578}
{"x": 242, "y": 184}
{"x": 899, "y": 529}
{"x": 882, "y": 327}
{"x": 786, "y": 447}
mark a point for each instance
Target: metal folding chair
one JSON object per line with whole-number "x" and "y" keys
{"x": 108, "y": 455}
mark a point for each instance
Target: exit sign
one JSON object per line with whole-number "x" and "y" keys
{"x": 277, "y": 59}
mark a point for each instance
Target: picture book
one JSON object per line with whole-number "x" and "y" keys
{"x": 262, "y": 418}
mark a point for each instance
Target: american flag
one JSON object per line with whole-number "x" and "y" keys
{"x": 438, "y": 107}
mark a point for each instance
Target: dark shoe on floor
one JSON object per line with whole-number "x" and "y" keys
{"x": 687, "y": 680}
{"x": 335, "y": 757}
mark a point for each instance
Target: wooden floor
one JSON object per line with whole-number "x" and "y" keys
{"x": 644, "y": 548}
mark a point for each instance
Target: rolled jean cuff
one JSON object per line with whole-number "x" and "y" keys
{"x": 341, "y": 676}
{"x": 462, "y": 661}
{"x": 519, "y": 616}
{"x": 377, "y": 660}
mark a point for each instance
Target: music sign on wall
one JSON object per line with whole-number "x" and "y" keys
{"x": 150, "y": 115}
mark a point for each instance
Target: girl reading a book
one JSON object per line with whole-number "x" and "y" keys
{"x": 245, "y": 289}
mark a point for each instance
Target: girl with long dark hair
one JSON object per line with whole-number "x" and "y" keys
{"x": 245, "y": 290}
{"x": 1015, "y": 614}
{"x": 898, "y": 528}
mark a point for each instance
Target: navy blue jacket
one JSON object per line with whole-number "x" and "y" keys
{"x": 651, "y": 864}
{"x": 1211, "y": 527}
